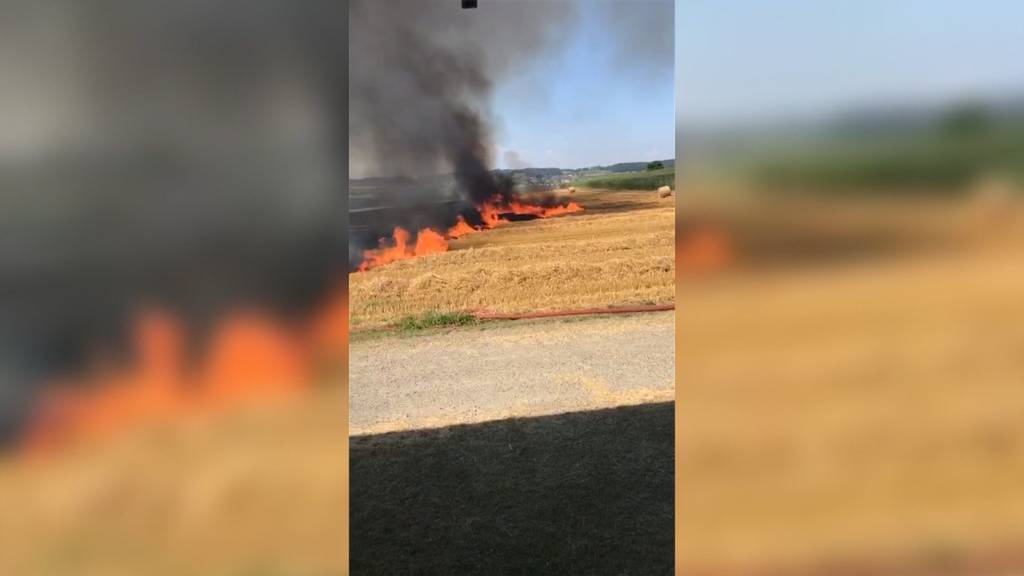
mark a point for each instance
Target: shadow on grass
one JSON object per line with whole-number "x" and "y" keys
{"x": 579, "y": 493}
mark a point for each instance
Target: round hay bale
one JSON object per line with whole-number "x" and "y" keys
{"x": 664, "y": 192}
{"x": 993, "y": 205}
{"x": 572, "y": 190}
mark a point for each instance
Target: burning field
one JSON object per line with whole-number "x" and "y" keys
{"x": 166, "y": 459}
{"x": 140, "y": 464}
{"x": 249, "y": 357}
{"x": 500, "y": 209}
{"x": 173, "y": 319}
{"x": 452, "y": 234}
{"x": 530, "y": 446}
{"x": 611, "y": 249}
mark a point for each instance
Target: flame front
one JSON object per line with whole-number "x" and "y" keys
{"x": 249, "y": 356}
{"x": 461, "y": 228}
{"x": 430, "y": 241}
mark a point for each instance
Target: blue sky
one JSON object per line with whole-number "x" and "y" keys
{"x": 590, "y": 108}
{"x": 740, "y": 61}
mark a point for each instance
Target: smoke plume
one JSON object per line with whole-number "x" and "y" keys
{"x": 421, "y": 77}
{"x": 178, "y": 154}
{"x": 514, "y": 161}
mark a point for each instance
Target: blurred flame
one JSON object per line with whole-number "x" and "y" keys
{"x": 250, "y": 356}
{"x": 704, "y": 250}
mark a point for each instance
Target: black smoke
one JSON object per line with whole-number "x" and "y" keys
{"x": 422, "y": 72}
{"x": 187, "y": 155}
{"x": 422, "y": 75}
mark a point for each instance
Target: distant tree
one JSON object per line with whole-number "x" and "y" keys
{"x": 966, "y": 120}
{"x": 656, "y": 165}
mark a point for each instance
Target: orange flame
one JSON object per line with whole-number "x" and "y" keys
{"x": 704, "y": 250}
{"x": 250, "y": 356}
{"x": 490, "y": 215}
{"x": 461, "y": 228}
{"x": 541, "y": 211}
{"x": 430, "y": 241}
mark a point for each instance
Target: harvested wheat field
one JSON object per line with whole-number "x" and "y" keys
{"x": 855, "y": 413}
{"x": 618, "y": 251}
{"x": 259, "y": 490}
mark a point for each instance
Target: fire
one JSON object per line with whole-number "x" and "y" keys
{"x": 247, "y": 355}
{"x": 541, "y": 211}
{"x": 704, "y": 250}
{"x": 250, "y": 356}
{"x": 490, "y": 215}
{"x": 430, "y": 241}
{"x": 461, "y": 228}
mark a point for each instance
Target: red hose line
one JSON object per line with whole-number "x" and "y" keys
{"x": 576, "y": 312}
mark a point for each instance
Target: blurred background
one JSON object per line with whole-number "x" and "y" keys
{"x": 850, "y": 342}
{"x": 172, "y": 289}
{"x": 851, "y": 331}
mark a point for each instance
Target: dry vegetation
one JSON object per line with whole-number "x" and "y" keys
{"x": 618, "y": 251}
{"x": 866, "y": 408}
{"x": 256, "y": 491}
{"x": 840, "y": 404}
{"x": 259, "y": 491}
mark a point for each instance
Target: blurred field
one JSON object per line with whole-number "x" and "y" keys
{"x": 851, "y": 389}
{"x": 618, "y": 251}
{"x": 258, "y": 491}
{"x": 648, "y": 180}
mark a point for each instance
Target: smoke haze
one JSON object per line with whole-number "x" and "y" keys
{"x": 422, "y": 74}
{"x": 183, "y": 155}
{"x": 512, "y": 160}
{"x": 421, "y": 80}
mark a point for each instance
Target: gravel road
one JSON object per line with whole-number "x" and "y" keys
{"x": 501, "y": 370}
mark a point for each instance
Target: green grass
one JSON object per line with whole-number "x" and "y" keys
{"x": 435, "y": 320}
{"x": 649, "y": 180}
{"x": 927, "y": 162}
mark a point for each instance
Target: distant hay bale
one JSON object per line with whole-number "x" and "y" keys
{"x": 993, "y": 205}
{"x": 572, "y": 190}
{"x": 664, "y": 192}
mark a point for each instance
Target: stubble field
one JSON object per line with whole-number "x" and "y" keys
{"x": 850, "y": 391}
{"x": 618, "y": 251}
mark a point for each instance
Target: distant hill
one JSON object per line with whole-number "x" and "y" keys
{"x": 932, "y": 148}
{"x": 630, "y": 166}
{"x": 646, "y": 180}
{"x": 537, "y": 173}
{"x": 534, "y": 172}
{"x": 856, "y": 124}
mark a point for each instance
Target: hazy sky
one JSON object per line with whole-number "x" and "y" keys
{"x": 738, "y": 61}
{"x": 593, "y": 104}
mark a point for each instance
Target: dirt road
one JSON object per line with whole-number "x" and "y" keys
{"x": 521, "y": 368}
